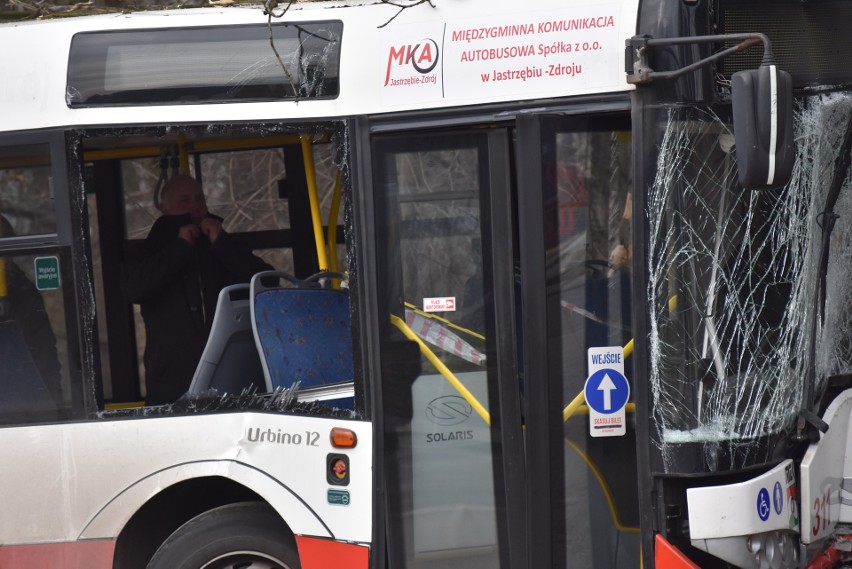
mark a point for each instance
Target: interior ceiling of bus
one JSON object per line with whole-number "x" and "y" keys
{"x": 138, "y": 145}
{"x": 133, "y": 141}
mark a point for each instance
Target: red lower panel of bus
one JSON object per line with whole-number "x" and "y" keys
{"x": 667, "y": 556}
{"x": 72, "y": 555}
{"x": 317, "y": 553}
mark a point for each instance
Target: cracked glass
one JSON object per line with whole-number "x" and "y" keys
{"x": 735, "y": 282}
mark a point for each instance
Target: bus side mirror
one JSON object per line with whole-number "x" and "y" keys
{"x": 763, "y": 126}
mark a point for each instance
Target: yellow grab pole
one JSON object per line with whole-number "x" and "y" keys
{"x": 572, "y": 407}
{"x": 332, "y": 224}
{"x": 184, "y": 159}
{"x": 580, "y": 399}
{"x": 444, "y": 321}
{"x": 316, "y": 217}
{"x": 445, "y": 371}
{"x": 198, "y": 145}
{"x": 4, "y": 291}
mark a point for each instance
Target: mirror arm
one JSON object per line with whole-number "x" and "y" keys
{"x": 638, "y": 48}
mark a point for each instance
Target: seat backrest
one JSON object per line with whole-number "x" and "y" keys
{"x": 230, "y": 362}
{"x": 302, "y": 332}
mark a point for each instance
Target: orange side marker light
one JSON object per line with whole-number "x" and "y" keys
{"x": 343, "y": 438}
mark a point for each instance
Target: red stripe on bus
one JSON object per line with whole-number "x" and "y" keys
{"x": 71, "y": 555}
{"x": 668, "y": 556}
{"x": 318, "y": 553}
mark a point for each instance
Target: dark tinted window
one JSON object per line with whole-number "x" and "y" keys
{"x": 209, "y": 64}
{"x": 26, "y": 201}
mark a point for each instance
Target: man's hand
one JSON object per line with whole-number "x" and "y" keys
{"x": 189, "y": 233}
{"x": 211, "y": 228}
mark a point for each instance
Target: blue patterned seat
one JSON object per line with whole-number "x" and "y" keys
{"x": 302, "y": 332}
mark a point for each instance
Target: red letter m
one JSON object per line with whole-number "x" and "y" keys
{"x": 397, "y": 55}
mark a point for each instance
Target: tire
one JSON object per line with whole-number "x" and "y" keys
{"x": 245, "y": 535}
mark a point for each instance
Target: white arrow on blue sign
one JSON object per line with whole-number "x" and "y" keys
{"x": 607, "y": 391}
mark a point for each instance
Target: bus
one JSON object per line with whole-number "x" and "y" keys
{"x": 581, "y": 267}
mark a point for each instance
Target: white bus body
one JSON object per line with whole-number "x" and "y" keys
{"x": 74, "y": 486}
{"x": 496, "y": 167}
{"x": 78, "y": 484}
{"x": 483, "y": 53}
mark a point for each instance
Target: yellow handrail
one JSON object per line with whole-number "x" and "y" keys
{"x": 316, "y": 217}
{"x": 121, "y": 406}
{"x": 442, "y": 368}
{"x": 478, "y": 407}
{"x": 580, "y": 399}
{"x": 572, "y": 407}
{"x": 332, "y": 224}
{"x": 604, "y": 488}
{"x": 584, "y": 409}
{"x": 4, "y": 291}
{"x": 443, "y": 321}
{"x": 183, "y": 156}
{"x": 204, "y": 145}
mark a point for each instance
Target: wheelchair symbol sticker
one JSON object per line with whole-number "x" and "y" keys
{"x": 778, "y": 498}
{"x": 763, "y": 506}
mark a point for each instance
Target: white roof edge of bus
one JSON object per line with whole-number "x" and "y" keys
{"x": 255, "y": 11}
{"x": 32, "y": 96}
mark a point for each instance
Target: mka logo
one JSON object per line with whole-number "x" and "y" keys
{"x": 423, "y": 57}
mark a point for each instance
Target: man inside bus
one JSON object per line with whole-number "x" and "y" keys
{"x": 176, "y": 277}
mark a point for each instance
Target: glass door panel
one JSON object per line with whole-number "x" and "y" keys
{"x": 437, "y": 379}
{"x": 37, "y": 339}
{"x": 587, "y": 176}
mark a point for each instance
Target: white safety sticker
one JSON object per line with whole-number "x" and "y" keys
{"x": 439, "y": 304}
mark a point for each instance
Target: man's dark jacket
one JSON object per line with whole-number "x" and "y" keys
{"x": 177, "y": 285}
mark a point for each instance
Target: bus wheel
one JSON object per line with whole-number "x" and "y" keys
{"x": 245, "y": 535}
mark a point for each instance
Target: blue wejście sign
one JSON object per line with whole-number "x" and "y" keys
{"x": 606, "y": 392}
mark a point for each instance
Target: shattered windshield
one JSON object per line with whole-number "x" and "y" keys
{"x": 733, "y": 280}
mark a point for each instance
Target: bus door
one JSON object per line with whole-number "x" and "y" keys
{"x": 39, "y": 334}
{"x": 575, "y": 209}
{"x": 444, "y": 263}
{"x": 503, "y": 263}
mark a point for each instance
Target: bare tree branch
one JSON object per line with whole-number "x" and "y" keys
{"x": 29, "y": 9}
{"x": 403, "y": 5}
{"x": 269, "y": 9}
{"x": 270, "y": 5}
{"x": 44, "y": 8}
